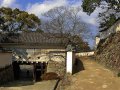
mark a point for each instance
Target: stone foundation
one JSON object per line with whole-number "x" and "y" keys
{"x": 56, "y": 67}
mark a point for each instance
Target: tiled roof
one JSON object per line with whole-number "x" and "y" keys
{"x": 33, "y": 38}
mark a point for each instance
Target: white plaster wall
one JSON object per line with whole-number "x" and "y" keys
{"x": 39, "y": 55}
{"x": 118, "y": 28}
{"x": 104, "y": 34}
{"x": 85, "y": 53}
{"x": 5, "y": 59}
{"x": 37, "y": 52}
{"x": 45, "y": 55}
{"x": 70, "y": 62}
{"x": 58, "y": 58}
{"x": 111, "y": 29}
{"x": 97, "y": 41}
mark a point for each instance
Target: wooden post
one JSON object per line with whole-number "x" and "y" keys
{"x": 34, "y": 72}
{"x": 41, "y": 68}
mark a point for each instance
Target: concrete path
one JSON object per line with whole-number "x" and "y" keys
{"x": 94, "y": 77}
{"x": 44, "y": 85}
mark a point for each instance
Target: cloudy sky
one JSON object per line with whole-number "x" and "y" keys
{"x": 39, "y": 7}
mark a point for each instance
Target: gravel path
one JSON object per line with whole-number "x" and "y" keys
{"x": 94, "y": 77}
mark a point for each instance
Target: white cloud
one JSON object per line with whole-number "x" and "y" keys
{"x": 40, "y": 8}
{"x": 92, "y": 19}
{"x": 86, "y": 18}
{"x": 7, "y": 3}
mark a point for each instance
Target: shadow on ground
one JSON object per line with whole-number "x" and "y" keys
{"x": 78, "y": 66}
{"x": 18, "y": 83}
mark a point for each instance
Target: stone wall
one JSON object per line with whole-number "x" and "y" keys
{"x": 56, "y": 67}
{"x": 108, "y": 52}
{"x": 6, "y": 74}
{"x": 57, "y": 62}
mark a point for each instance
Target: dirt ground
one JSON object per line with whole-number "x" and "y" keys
{"x": 94, "y": 77}
{"x": 27, "y": 85}
{"x": 91, "y": 77}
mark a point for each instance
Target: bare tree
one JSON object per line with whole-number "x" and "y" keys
{"x": 64, "y": 20}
